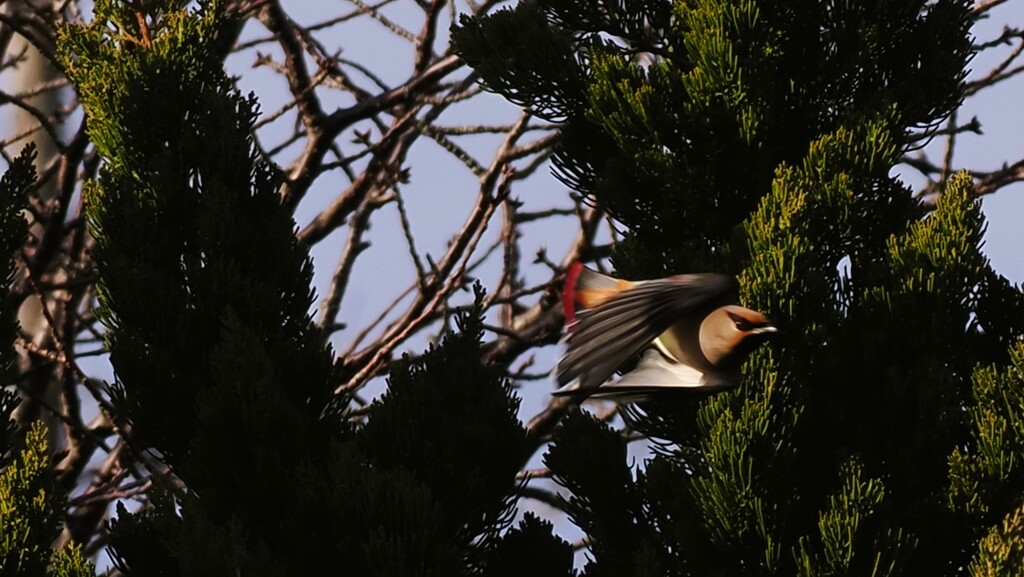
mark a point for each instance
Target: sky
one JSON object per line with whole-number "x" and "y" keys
{"x": 441, "y": 190}
{"x": 1002, "y": 120}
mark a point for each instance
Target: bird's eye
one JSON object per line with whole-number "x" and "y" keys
{"x": 743, "y": 326}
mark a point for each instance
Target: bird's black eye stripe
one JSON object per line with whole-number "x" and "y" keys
{"x": 742, "y": 324}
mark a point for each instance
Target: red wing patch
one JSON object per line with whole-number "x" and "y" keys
{"x": 569, "y": 292}
{"x": 586, "y": 289}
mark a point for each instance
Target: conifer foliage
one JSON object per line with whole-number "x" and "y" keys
{"x": 222, "y": 375}
{"x": 759, "y": 139}
{"x": 882, "y": 432}
{"x": 14, "y": 187}
{"x": 31, "y": 507}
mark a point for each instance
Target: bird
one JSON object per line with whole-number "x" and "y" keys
{"x": 688, "y": 330}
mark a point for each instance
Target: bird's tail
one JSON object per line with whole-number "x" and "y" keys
{"x": 586, "y": 288}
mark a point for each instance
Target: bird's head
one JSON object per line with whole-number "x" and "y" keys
{"x": 731, "y": 332}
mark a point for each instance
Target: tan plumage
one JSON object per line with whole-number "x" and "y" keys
{"x": 692, "y": 335}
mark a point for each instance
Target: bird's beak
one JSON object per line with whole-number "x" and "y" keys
{"x": 766, "y": 330}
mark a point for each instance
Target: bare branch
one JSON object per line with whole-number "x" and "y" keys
{"x": 353, "y": 247}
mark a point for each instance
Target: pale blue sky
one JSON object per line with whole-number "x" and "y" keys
{"x": 441, "y": 190}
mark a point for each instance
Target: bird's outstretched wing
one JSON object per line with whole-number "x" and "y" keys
{"x": 606, "y": 336}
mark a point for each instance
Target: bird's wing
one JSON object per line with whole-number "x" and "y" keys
{"x": 606, "y": 336}
{"x": 656, "y": 374}
{"x": 586, "y": 289}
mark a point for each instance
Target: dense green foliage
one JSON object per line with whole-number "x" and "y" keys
{"x": 882, "y": 433}
{"x": 205, "y": 293}
{"x": 30, "y": 516}
{"x": 31, "y": 508}
{"x": 759, "y": 138}
{"x": 14, "y": 187}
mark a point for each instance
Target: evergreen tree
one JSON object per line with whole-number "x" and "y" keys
{"x": 14, "y": 187}
{"x": 759, "y": 139}
{"x": 30, "y": 516}
{"x": 220, "y": 372}
{"x": 31, "y": 507}
{"x": 881, "y": 434}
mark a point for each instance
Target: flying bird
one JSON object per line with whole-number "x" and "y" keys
{"x": 689, "y": 333}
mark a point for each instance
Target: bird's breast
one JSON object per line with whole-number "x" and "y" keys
{"x": 681, "y": 343}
